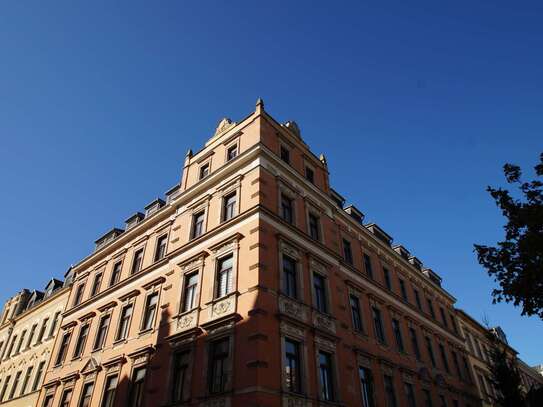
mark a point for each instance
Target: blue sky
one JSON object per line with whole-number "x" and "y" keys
{"x": 417, "y": 107}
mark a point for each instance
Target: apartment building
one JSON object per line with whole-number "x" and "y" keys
{"x": 29, "y": 324}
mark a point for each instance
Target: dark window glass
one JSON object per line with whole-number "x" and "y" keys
{"x": 63, "y": 349}
{"x": 367, "y": 265}
{"x": 285, "y": 154}
{"x": 320, "y": 292}
{"x": 398, "y": 334}
{"x": 355, "y": 313}
{"x": 180, "y": 376}
{"x": 20, "y": 344}
{"x": 11, "y": 346}
{"x": 189, "y": 294}
{"x": 86, "y": 395}
{"x": 218, "y": 369}
{"x": 309, "y": 174}
{"x": 102, "y": 332}
{"x": 124, "y": 322}
{"x": 204, "y": 171}
{"x": 81, "y": 340}
{"x": 116, "y": 273}
{"x": 427, "y": 398}
{"x": 5, "y": 388}
{"x": 410, "y": 395}
{"x": 386, "y": 275}
{"x": 229, "y": 206}
{"x": 232, "y": 152}
{"x": 366, "y": 386}
{"x": 457, "y": 365}
{"x": 378, "y": 325}
{"x": 54, "y": 325}
{"x": 443, "y": 317}
{"x": 444, "y": 357}
{"x": 137, "y": 261}
{"x": 224, "y": 276}
{"x": 430, "y": 350}
{"x": 442, "y": 400}
{"x": 287, "y": 210}
{"x": 466, "y": 369}
{"x": 314, "y": 230}
{"x": 347, "y": 251}
{"x": 197, "y": 225}
{"x": 403, "y": 290}
{"x": 431, "y": 308}
{"x": 43, "y": 328}
{"x": 66, "y": 398}
{"x": 108, "y": 400}
{"x": 15, "y": 384}
{"x": 26, "y": 380}
{"x": 389, "y": 392}
{"x": 292, "y": 366}
{"x": 326, "y": 376}
{"x": 78, "y": 295}
{"x": 31, "y": 336}
{"x": 135, "y": 394}
{"x": 417, "y": 299}
{"x": 48, "y": 402}
{"x": 455, "y": 403}
{"x": 38, "y": 377}
{"x": 96, "y": 284}
{"x": 453, "y": 323}
{"x": 289, "y": 276}
{"x": 414, "y": 342}
{"x": 151, "y": 304}
{"x": 161, "y": 244}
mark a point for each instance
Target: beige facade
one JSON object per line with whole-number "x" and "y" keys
{"x": 30, "y": 323}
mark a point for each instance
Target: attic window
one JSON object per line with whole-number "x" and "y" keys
{"x": 285, "y": 154}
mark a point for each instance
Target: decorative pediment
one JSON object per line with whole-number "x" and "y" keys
{"x": 224, "y": 125}
{"x": 91, "y": 366}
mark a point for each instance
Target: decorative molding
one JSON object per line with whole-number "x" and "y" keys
{"x": 223, "y": 307}
{"x": 324, "y": 343}
{"x": 291, "y": 330}
{"x": 295, "y": 401}
{"x": 324, "y": 322}
{"x": 292, "y": 309}
{"x": 187, "y": 321}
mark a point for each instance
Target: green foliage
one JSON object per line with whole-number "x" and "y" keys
{"x": 516, "y": 263}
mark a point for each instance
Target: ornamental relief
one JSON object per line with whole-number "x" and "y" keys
{"x": 227, "y": 247}
{"x": 325, "y": 344}
{"x": 195, "y": 264}
{"x": 324, "y": 322}
{"x": 223, "y": 307}
{"x": 293, "y": 401}
{"x": 319, "y": 267}
{"x": 292, "y": 309}
{"x": 187, "y": 321}
{"x": 291, "y": 330}
{"x": 289, "y": 250}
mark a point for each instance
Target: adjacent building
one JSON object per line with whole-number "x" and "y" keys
{"x": 29, "y": 324}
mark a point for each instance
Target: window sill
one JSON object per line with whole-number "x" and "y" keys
{"x": 145, "y": 332}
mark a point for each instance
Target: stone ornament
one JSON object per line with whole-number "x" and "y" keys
{"x": 324, "y": 322}
{"x": 292, "y": 309}
{"x": 187, "y": 321}
{"x": 223, "y": 307}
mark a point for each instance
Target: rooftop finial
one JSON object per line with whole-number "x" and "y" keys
{"x": 323, "y": 160}
{"x": 259, "y": 105}
{"x": 189, "y": 153}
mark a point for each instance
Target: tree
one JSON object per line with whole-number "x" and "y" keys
{"x": 516, "y": 264}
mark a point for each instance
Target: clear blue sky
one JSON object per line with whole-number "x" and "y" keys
{"x": 417, "y": 107}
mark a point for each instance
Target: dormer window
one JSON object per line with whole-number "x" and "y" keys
{"x": 204, "y": 170}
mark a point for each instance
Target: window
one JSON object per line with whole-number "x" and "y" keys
{"x": 417, "y": 299}
{"x": 232, "y": 152}
{"x": 444, "y": 358}
{"x": 11, "y": 345}
{"x": 137, "y": 261}
{"x": 135, "y": 393}
{"x": 466, "y": 368}
{"x": 457, "y": 365}
{"x": 224, "y": 276}
{"x": 63, "y": 349}
{"x": 108, "y": 400}
{"x": 378, "y": 325}
{"x": 96, "y": 284}
{"x": 287, "y": 210}
{"x": 197, "y": 224}
{"x": 414, "y": 342}
{"x": 229, "y": 206}
{"x": 309, "y": 175}
{"x": 26, "y": 380}
{"x": 160, "y": 251}
{"x": 149, "y": 313}
{"x": 189, "y": 293}
{"x": 48, "y": 401}
{"x": 31, "y": 336}
{"x": 403, "y": 290}
{"x": 367, "y": 265}
{"x": 347, "y": 251}
{"x": 218, "y": 369}
{"x": 325, "y": 376}
{"x": 20, "y": 344}
{"x": 289, "y": 276}
{"x": 430, "y": 351}
{"x": 180, "y": 374}
{"x": 54, "y": 325}
{"x": 116, "y": 273}
{"x": 355, "y": 312}
{"x": 292, "y": 366}
{"x": 204, "y": 171}
{"x": 43, "y": 328}
{"x": 78, "y": 295}
{"x": 366, "y": 386}
{"x": 102, "y": 332}
{"x": 38, "y": 377}
{"x": 124, "y": 323}
{"x": 285, "y": 154}
{"x": 320, "y": 292}
{"x": 397, "y": 334}
{"x": 5, "y": 388}
{"x": 443, "y": 318}
{"x": 427, "y": 398}
{"x": 453, "y": 323}
{"x": 390, "y": 394}
{"x": 86, "y": 395}
{"x": 314, "y": 230}
{"x": 15, "y": 384}
{"x": 386, "y": 275}
{"x": 431, "y": 308}
{"x": 66, "y": 398}
{"x": 81, "y": 340}
{"x": 410, "y": 395}
{"x": 442, "y": 400}
{"x": 455, "y": 403}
